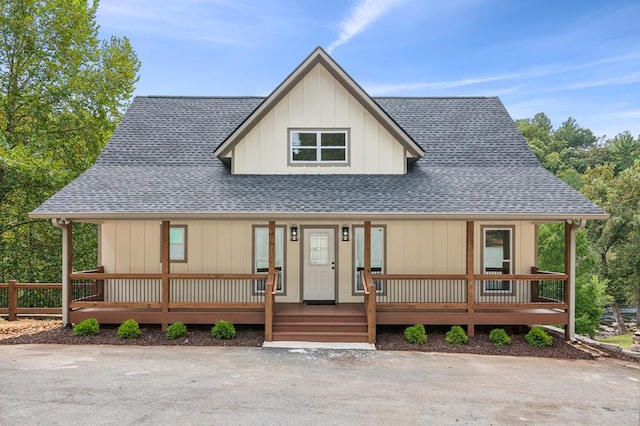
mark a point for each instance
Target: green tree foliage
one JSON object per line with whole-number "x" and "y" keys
{"x": 62, "y": 91}
{"x": 618, "y": 239}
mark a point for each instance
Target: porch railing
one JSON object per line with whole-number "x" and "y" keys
{"x": 452, "y": 291}
{"x": 30, "y": 299}
{"x": 184, "y": 290}
{"x": 369, "y": 290}
{"x": 271, "y": 289}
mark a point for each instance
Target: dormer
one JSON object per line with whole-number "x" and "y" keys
{"x": 318, "y": 121}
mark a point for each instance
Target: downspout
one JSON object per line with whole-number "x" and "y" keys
{"x": 63, "y": 224}
{"x": 577, "y": 224}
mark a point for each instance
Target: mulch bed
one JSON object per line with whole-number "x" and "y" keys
{"x": 389, "y": 338}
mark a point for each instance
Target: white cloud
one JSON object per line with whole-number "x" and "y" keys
{"x": 383, "y": 89}
{"x": 364, "y": 14}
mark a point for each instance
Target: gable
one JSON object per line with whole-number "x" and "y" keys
{"x": 319, "y": 97}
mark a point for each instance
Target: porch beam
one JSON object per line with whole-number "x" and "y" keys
{"x": 470, "y": 269}
{"x": 166, "y": 269}
{"x": 367, "y": 247}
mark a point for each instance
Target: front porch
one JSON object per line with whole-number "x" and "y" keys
{"x": 387, "y": 299}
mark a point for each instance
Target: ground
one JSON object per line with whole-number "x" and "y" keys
{"x": 29, "y": 331}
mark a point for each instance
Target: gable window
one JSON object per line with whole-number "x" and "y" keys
{"x": 318, "y": 146}
{"x": 377, "y": 255}
{"x": 178, "y": 243}
{"x": 261, "y": 255}
{"x": 497, "y": 258}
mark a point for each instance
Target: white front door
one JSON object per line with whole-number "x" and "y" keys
{"x": 319, "y": 264}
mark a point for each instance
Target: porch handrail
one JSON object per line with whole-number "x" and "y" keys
{"x": 12, "y": 309}
{"x": 369, "y": 292}
{"x": 157, "y": 276}
{"x": 271, "y": 288}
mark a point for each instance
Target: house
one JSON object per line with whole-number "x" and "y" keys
{"x": 319, "y": 212}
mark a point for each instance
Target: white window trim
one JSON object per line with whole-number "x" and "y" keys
{"x": 319, "y": 148}
{"x": 511, "y": 230}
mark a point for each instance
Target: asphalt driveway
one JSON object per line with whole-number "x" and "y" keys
{"x": 73, "y": 385}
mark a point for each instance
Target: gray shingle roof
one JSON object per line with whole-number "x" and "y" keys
{"x": 160, "y": 161}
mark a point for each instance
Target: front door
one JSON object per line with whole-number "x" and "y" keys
{"x": 319, "y": 264}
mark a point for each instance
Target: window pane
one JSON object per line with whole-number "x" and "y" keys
{"x": 334, "y": 139}
{"x": 319, "y": 250}
{"x": 176, "y": 235}
{"x": 333, "y": 155}
{"x": 497, "y": 250}
{"x": 261, "y": 254}
{"x": 304, "y": 154}
{"x": 177, "y": 243}
{"x": 303, "y": 139}
{"x": 377, "y": 254}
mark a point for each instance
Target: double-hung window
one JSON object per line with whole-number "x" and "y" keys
{"x": 318, "y": 146}
{"x": 261, "y": 255}
{"x": 178, "y": 243}
{"x": 497, "y": 258}
{"x": 377, "y": 256}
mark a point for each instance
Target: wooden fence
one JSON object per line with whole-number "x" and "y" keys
{"x": 30, "y": 299}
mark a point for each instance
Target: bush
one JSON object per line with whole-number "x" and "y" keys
{"x": 538, "y": 338}
{"x": 176, "y": 330}
{"x": 128, "y": 330}
{"x": 499, "y": 337}
{"x": 456, "y": 336}
{"x": 88, "y": 327}
{"x": 223, "y": 330}
{"x": 416, "y": 334}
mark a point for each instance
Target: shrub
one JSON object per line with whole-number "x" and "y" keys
{"x": 128, "y": 330}
{"x": 176, "y": 330}
{"x": 88, "y": 327}
{"x": 223, "y": 330}
{"x": 538, "y": 338}
{"x": 499, "y": 337}
{"x": 416, "y": 334}
{"x": 456, "y": 336}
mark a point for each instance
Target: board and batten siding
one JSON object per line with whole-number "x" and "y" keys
{"x": 318, "y": 102}
{"x": 225, "y": 246}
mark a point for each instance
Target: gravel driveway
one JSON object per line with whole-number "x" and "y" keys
{"x": 57, "y": 384}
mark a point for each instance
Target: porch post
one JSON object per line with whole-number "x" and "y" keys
{"x": 166, "y": 263}
{"x": 67, "y": 265}
{"x": 570, "y": 270}
{"x": 272, "y": 247}
{"x": 470, "y": 270}
{"x": 367, "y": 247}
{"x": 269, "y": 299}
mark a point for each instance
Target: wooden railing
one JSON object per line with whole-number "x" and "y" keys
{"x": 184, "y": 290}
{"x": 271, "y": 289}
{"x": 369, "y": 291}
{"x": 451, "y": 291}
{"x": 30, "y": 299}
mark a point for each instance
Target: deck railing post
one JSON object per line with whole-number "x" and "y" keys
{"x": 570, "y": 270}
{"x": 371, "y": 311}
{"x": 13, "y": 300}
{"x": 470, "y": 269}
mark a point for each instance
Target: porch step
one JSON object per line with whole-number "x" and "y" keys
{"x": 320, "y": 336}
{"x": 320, "y": 324}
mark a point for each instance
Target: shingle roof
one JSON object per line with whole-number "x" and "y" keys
{"x": 160, "y": 161}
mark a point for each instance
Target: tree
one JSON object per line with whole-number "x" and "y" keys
{"x": 617, "y": 239}
{"x": 62, "y": 91}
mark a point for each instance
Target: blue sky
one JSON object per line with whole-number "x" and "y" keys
{"x": 576, "y": 58}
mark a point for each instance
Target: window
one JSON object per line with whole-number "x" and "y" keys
{"x": 178, "y": 243}
{"x": 261, "y": 255}
{"x": 497, "y": 258}
{"x": 318, "y": 146}
{"x": 377, "y": 255}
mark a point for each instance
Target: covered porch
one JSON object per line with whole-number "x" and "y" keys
{"x": 387, "y": 298}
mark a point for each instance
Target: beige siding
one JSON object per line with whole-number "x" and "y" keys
{"x": 225, "y": 246}
{"x": 318, "y": 102}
